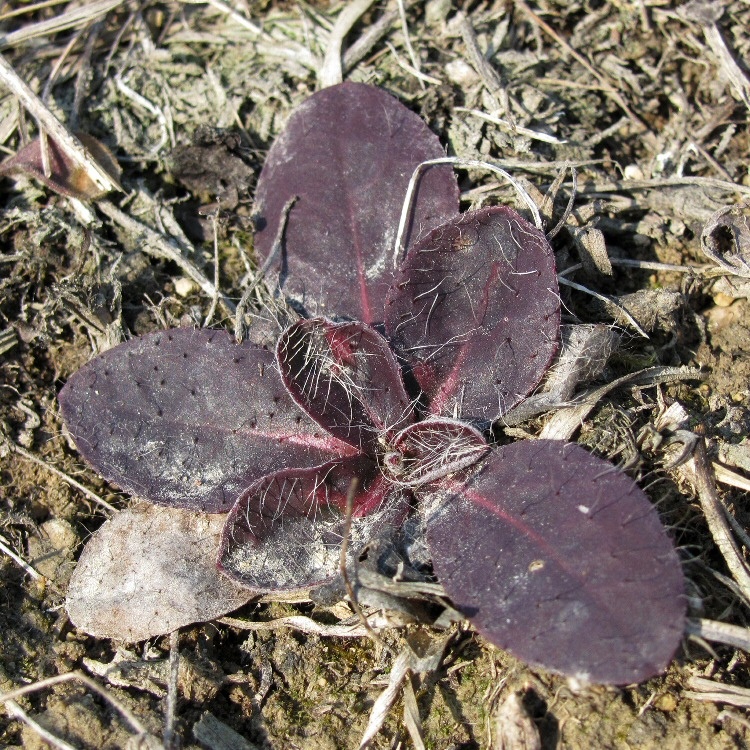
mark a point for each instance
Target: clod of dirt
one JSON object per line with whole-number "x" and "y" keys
{"x": 212, "y": 166}
{"x": 51, "y": 552}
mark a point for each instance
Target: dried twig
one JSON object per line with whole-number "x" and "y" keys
{"x": 490, "y": 77}
{"x": 699, "y": 473}
{"x": 719, "y": 632}
{"x": 511, "y": 127}
{"x": 736, "y": 75}
{"x": 39, "y": 462}
{"x": 17, "y": 712}
{"x": 170, "y": 739}
{"x": 607, "y": 87}
{"x": 127, "y": 714}
{"x": 5, "y": 547}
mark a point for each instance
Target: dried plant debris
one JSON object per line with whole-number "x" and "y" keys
{"x": 149, "y": 571}
{"x": 626, "y": 124}
{"x": 726, "y": 239}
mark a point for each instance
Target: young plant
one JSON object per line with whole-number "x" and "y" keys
{"x": 552, "y": 553}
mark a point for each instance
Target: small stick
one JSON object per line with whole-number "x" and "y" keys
{"x": 82, "y": 14}
{"x": 4, "y": 547}
{"x": 604, "y": 298}
{"x": 158, "y": 246}
{"x": 18, "y": 713}
{"x": 174, "y": 671}
{"x": 719, "y": 632}
{"x": 490, "y": 77}
{"x": 90, "y": 684}
{"x": 215, "y": 298}
{"x": 342, "y": 563}
{"x": 698, "y": 471}
{"x": 407, "y": 42}
{"x": 87, "y": 492}
{"x": 608, "y": 88}
{"x": 510, "y": 127}
{"x": 371, "y": 36}
{"x": 55, "y": 129}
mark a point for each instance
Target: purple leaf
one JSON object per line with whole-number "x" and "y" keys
{"x": 432, "y": 449}
{"x": 189, "y": 418}
{"x": 348, "y": 153}
{"x": 286, "y": 530}
{"x": 475, "y": 311}
{"x": 344, "y": 375}
{"x": 558, "y": 557}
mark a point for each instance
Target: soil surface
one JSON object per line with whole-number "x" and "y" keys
{"x": 648, "y": 100}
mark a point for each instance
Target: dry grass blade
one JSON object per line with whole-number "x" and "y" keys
{"x": 711, "y": 690}
{"x": 719, "y": 632}
{"x": 18, "y": 560}
{"x": 72, "y": 482}
{"x": 15, "y": 710}
{"x": 406, "y": 663}
{"x": 699, "y": 473}
{"x": 387, "y": 698}
{"x": 737, "y": 76}
{"x": 565, "y": 422}
{"x": 126, "y": 713}
{"x": 412, "y": 722}
{"x": 70, "y": 19}
{"x": 302, "y": 624}
{"x": 159, "y": 246}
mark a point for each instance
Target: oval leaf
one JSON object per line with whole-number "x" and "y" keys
{"x": 475, "y": 310}
{"x": 346, "y": 378}
{"x": 432, "y": 449}
{"x": 149, "y": 571}
{"x": 189, "y": 418}
{"x": 348, "y": 153}
{"x": 286, "y": 531}
{"x": 562, "y": 560}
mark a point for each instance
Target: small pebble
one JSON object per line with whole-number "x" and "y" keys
{"x": 184, "y": 287}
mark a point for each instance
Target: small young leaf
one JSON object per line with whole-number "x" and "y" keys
{"x": 475, "y": 310}
{"x": 431, "y": 449}
{"x": 286, "y": 531}
{"x": 344, "y": 375}
{"x": 189, "y": 418}
{"x": 348, "y": 153}
{"x": 149, "y": 571}
{"x": 562, "y": 560}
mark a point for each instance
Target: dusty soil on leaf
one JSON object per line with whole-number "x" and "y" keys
{"x": 648, "y": 100}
